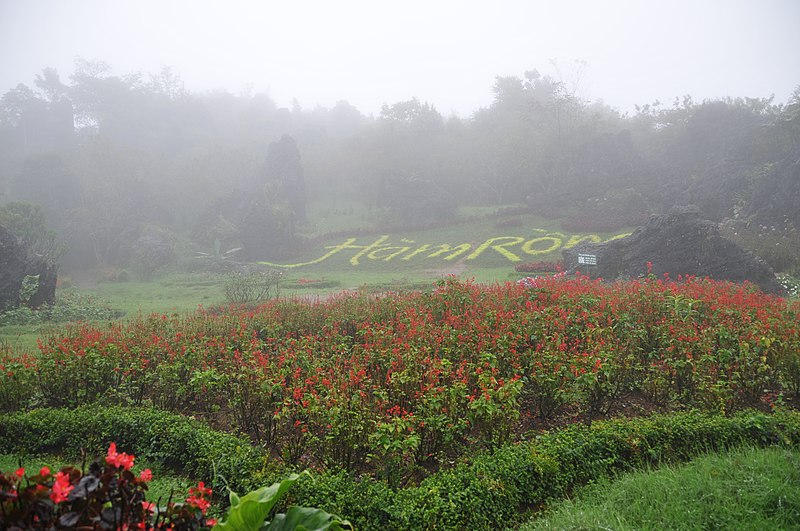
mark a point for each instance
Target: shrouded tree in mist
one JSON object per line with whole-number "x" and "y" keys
{"x": 415, "y": 200}
{"x": 409, "y": 164}
{"x": 276, "y": 205}
{"x": 27, "y": 222}
{"x": 36, "y": 122}
{"x": 283, "y": 173}
{"x": 48, "y": 181}
{"x": 776, "y": 194}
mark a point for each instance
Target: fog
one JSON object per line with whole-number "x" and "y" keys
{"x": 159, "y": 136}
{"x": 392, "y": 242}
{"x": 445, "y": 52}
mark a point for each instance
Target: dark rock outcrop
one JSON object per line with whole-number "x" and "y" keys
{"x": 15, "y": 264}
{"x": 678, "y": 243}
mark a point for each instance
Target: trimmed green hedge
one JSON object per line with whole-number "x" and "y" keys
{"x": 497, "y": 488}
{"x": 180, "y": 443}
{"x": 493, "y": 490}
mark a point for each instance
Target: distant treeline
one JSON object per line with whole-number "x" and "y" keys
{"x": 122, "y": 165}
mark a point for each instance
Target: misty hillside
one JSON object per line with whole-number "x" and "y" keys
{"x": 129, "y": 167}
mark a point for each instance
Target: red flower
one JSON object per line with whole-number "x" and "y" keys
{"x": 20, "y": 472}
{"x": 119, "y": 459}
{"x": 44, "y": 472}
{"x": 197, "y": 497}
{"x": 200, "y": 489}
{"x": 146, "y": 475}
{"x": 201, "y": 503}
{"x": 61, "y": 488}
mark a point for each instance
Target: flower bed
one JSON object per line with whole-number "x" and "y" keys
{"x": 108, "y": 496}
{"x": 111, "y": 496}
{"x": 400, "y": 384}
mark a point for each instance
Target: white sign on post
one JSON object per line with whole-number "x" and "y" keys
{"x": 587, "y": 259}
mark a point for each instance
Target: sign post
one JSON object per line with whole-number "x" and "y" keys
{"x": 587, "y": 259}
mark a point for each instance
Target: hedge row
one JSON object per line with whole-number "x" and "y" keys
{"x": 177, "y": 442}
{"x": 494, "y": 489}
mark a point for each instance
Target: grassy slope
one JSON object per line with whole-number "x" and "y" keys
{"x": 745, "y": 489}
{"x": 489, "y": 266}
{"x": 184, "y": 292}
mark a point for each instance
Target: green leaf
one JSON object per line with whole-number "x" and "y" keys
{"x": 253, "y": 508}
{"x": 306, "y": 519}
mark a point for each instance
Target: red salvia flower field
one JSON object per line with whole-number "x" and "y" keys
{"x": 399, "y": 383}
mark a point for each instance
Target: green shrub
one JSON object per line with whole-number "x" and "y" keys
{"x": 499, "y": 488}
{"x": 252, "y": 511}
{"x": 247, "y": 287}
{"x": 495, "y": 489}
{"x": 365, "y": 501}
{"x": 177, "y": 442}
{"x": 70, "y": 305}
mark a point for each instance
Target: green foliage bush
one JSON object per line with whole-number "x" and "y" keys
{"x": 252, "y": 511}
{"x": 495, "y": 488}
{"x": 27, "y": 222}
{"x": 177, "y": 442}
{"x": 366, "y": 502}
{"x": 247, "y": 287}
{"x": 71, "y": 305}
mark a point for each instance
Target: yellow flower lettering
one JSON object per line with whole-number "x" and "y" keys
{"x": 500, "y": 248}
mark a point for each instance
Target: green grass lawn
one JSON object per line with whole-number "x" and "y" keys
{"x": 755, "y": 489}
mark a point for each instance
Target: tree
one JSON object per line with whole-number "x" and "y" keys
{"x": 283, "y": 175}
{"x": 38, "y": 122}
{"x": 33, "y": 272}
{"x": 47, "y": 180}
{"x": 26, "y": 221}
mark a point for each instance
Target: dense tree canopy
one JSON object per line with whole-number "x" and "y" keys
{"x": 106, "y": 154}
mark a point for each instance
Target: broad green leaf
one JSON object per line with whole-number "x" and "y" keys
{"x": 306, "y": 519}
{"x": 253, "y": 508}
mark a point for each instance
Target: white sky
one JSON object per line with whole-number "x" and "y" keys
{"x": 446, "y": 52}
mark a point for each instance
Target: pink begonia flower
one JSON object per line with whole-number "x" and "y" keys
{"x": 61, "y": 488}
{"x": 119, "y": 459}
